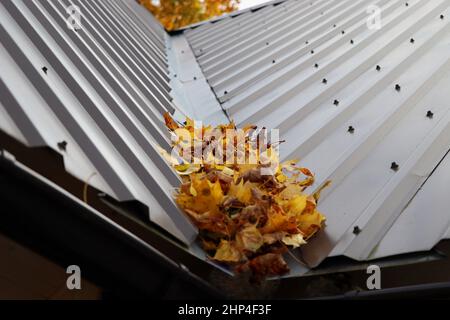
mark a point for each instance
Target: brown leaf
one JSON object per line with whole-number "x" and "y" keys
{"x": 266, "y": 265}
{"x": 170, "y": 123}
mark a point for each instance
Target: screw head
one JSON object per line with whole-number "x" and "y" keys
{"x": 336, "y": 102}
{"x": 398, "y": 87}
{"x": 62, "y": 145}
{"x": 395, "y": 166}
{"x": 356, "y": 230}
{"x": 312, "y": 51}
{"x": 430, "y": 114}
{"x": 442, "y": 17}
{"x": 412, "y": 40}
{"x": 316, "y": 65}
{"x": 45, "y": 69}
{"x": 343, "y": 31}
{"x": 324, "y": 81}
{"x": 378, "y": 68}
{"x": 352, "y": 42}
{"x": 351, "y": 129}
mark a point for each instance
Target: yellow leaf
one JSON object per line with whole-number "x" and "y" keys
{"x": 228, "y": 171}
{"x": 296, "y": 205}
{"x": 281, "y": 178}
{"x": 192, "y": 190}
{"x": 216, "y": 191}
{"x": 310, "y": 223}
{"x": 241, "y": 191}
{"x": 227, "y": 252}
{"x": 182, "y": 167}
{"x": 294, "y": 240}
{"x": 189, "y": 122}
{"x": 219, "y": 167}
{"x": 290, "y": 191}
{"x": 250, "y": 238}
{"x": 277, "y": 222}
{"x": 191, "y": 168}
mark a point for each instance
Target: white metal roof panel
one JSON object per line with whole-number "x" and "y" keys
{"x": 105, "y": 88}
{"x": 309, "y": 68}
{"x": 98, "y": 91}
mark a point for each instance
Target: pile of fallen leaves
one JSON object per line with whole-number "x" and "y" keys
{"x": 246, "y": 220}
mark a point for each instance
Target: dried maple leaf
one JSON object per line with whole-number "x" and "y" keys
{"x": 270, "y": 264}
{"x": 249, "y": 238}
{"x": 227, "y": 252}
{"x": 170, "y": 122}
{"x": 310, "y": 223}
{"x": 294, "y": 240}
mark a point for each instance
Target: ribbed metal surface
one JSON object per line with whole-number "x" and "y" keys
{"x": 96, "y": 95}
{"x": 309, "y": 68}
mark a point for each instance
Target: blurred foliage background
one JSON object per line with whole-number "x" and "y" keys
{"x": 175, "y": 14}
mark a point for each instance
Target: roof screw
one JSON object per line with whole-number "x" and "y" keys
{"x": 351, "y": 129}
{"x": 174, "y": 75}
{"x": 306, "y": 42}
{"x": 324, "y": 81}
{"x": 356, "y": 230}
{"x": 398, "y": 88}
{"x": 267, "y": 43}
{"x": 412, "y": 40}
{"x": 273, "y": 61}
{"x": 430, "y": 114}
{"x": 225, "y": 92}
{"x": 334, "y": 26}
{"x": 312, "y": 51}
{"x": 62, "y": 145}
{"x": 394, "y": 166}
{"x": 316, "y": 65}
{"x": 343, "y": 31}
{"x": 195, "y": 78}
{"x": 442, "y": 17}
{"x": 336, "y": 102}
{"x": 45, "y": 70}
{"x": 407, "y": 4}
{"x": 378, "y": 68}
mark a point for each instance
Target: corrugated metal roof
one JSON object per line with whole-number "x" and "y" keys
{"x": 95, "y": 95}
{"x": 365, "y": 108}
{"x": 310, "y": 69}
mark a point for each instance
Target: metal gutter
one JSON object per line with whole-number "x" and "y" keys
{"x": 49, "y": 220}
